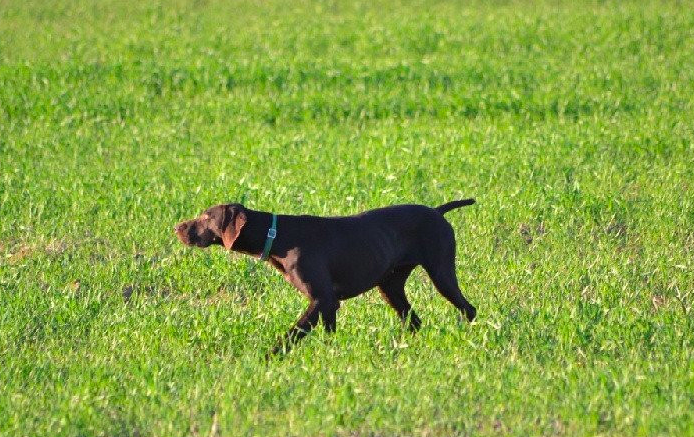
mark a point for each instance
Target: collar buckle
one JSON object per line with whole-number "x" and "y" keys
{"x": 271, "y": 234}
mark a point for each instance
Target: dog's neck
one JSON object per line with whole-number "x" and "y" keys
{"x": 251, "y": 239}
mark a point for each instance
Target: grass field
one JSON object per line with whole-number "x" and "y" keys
{"x": 571, "y": 123}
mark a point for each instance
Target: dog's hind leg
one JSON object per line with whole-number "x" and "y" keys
{"x": 446, "y": 283}
{"x": 392, "y": 289}
{"x": 440, "y": 266}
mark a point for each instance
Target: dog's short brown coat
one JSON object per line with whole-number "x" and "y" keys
{"x": 330, "y": 259}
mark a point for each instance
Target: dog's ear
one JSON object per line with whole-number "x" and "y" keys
{"x": 234, "y": 219}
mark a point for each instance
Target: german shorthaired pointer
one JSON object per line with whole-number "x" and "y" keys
{"x": 330, "y": 259}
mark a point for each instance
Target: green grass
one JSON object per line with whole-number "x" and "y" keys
{"x": 570, "y": 123}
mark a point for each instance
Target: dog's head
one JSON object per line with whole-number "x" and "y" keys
{"x": 219, "y": 224}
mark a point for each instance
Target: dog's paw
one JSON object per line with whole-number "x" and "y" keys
{"x": 471, "y": 313}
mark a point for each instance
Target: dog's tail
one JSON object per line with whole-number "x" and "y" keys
{"x": 453, "y": 205}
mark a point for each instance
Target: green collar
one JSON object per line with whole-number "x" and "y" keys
{"x": 271, "y": 234}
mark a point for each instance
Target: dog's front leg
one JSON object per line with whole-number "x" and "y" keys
{"x": 328, "y": 312}
{"x": 327, "y": 309}
{"x": 314, "y": 282}
{"x": 300, "y": 329}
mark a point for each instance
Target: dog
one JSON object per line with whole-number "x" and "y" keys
{"x": 330, "y": 259}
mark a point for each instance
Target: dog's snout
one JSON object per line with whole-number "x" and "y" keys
{"x": 180, "y": 227}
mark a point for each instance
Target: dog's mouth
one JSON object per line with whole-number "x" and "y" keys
{"x": 184, "y": 232}
{"x": 184, "y": 237}
{"x": 188, "y": 235}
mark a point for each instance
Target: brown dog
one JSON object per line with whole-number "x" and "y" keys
{"x": 330, "y": 259}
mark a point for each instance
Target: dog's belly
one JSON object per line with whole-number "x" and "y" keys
{"x": 362, "y": 281}
{"x": 343, "y": 291}
{"x": 363, "y": 274}
{"x": 356, "y": 282}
